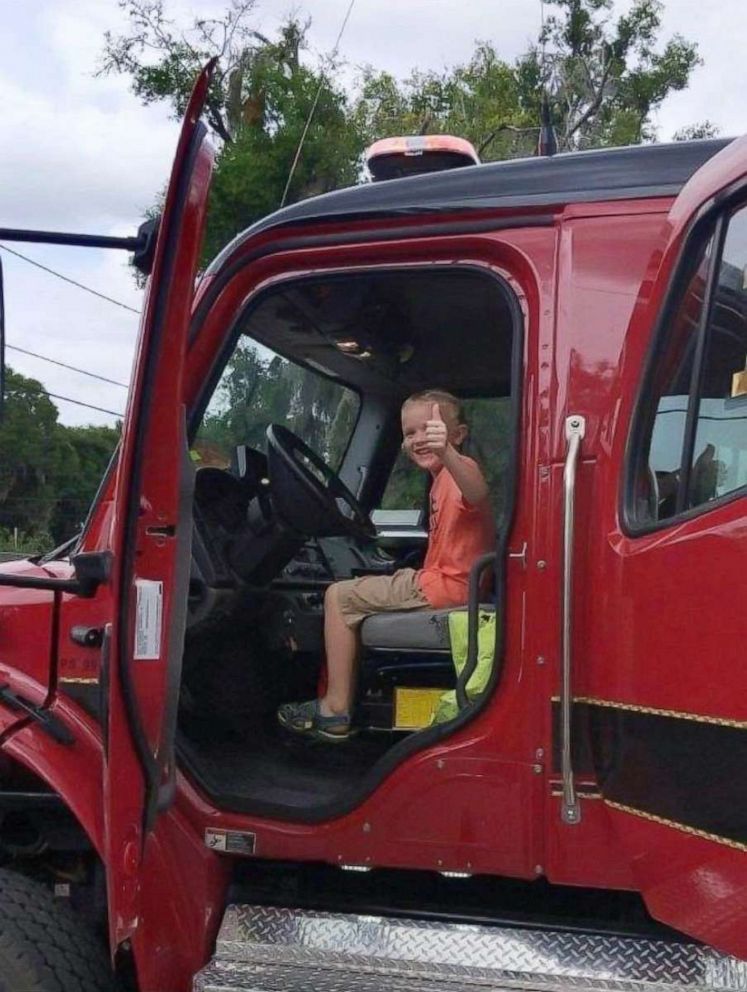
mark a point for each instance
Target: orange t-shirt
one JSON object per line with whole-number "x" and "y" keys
{"x": 459, "y": 534}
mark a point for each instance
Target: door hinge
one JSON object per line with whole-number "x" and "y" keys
{"x": 46, "y": 720}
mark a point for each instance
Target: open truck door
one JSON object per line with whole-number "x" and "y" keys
{"x": 659, "y": 591}
{"x": 151, "y": 539}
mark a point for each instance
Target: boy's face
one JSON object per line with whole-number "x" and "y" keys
{"x": 415, "y": 417}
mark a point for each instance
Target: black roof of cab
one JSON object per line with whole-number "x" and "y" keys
{"x": 602, "y": 174}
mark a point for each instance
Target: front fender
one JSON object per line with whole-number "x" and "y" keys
{"x": 74, "y": 771}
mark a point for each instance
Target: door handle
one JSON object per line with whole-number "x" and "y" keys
{"x": 520, "y": 555}
{"x": 575, "y": 428}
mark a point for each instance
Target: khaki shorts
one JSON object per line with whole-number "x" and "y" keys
{"x": 361, "y": 598}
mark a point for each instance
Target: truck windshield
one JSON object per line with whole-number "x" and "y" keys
{"x": 259, "y": 387}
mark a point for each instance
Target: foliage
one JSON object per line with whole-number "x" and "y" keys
{"x": 604, "y": 82}
{"x": 252, "y": 172}
{"x": 693, "y": 132}
{"x": 605, "y": 79}
{"x": 49, "y": 473}
{"x": 480, "y": 100}
{"x": 163, "y": 61}
{"x": 29, "y": 455}
{"x": 260, "y": 388}
{"x": 258, "y": 106}
{"x": 85, "y": 452}
{"x": 21, "y": 543}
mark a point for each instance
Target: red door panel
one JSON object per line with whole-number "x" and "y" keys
{"x": 659, "y": 668}
{"x": 152, "y": 535}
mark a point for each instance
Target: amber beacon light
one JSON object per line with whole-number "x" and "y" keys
{"x": 394, "y": 158}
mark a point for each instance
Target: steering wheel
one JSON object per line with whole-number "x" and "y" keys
{"x": 307, "y": 493}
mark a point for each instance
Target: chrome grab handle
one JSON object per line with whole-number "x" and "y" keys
{"x": 575, "y": 428}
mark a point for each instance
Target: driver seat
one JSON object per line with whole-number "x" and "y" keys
{"x": 423, "y": 631}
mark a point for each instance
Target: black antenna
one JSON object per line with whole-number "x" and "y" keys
{"x": 548, "y": 141}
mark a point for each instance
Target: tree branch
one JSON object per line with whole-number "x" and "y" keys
{"x": 596, "y": 102}
{"x": 217, "y": 123}
{"x": 502, "y": 127}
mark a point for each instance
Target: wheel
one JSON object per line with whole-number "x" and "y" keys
{"x": 44, "y": 946}
{"x": 308, "y": 494}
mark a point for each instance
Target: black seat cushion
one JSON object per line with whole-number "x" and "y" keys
{"x": 411, "y": 630}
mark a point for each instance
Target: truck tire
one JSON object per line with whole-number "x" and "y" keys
{"x": 44, "y": 946}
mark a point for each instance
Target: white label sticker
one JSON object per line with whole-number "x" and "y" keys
{"x": 148, "y": 619}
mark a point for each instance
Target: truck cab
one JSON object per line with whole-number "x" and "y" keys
{"x": 590, "y": 310}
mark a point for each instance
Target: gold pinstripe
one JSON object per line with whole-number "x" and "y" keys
{"x": 557, "y": 793}
{"x": 693, "y": 831}
{"x": 675, "y": 714}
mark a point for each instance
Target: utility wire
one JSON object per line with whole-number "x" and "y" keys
{"x": 49, "y": 499}
{"x": 72, "y": 282}
{"x": 314, "y": 105}
{"x": 54, "y": 361}
{"x": 90, "y": 406}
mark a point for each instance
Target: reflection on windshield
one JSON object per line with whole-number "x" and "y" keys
{"x": 258, "y": 388}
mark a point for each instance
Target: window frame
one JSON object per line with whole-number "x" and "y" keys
{"x": 711, "y": 222}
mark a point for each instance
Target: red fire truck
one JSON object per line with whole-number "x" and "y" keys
{"x": 580, "y": 820}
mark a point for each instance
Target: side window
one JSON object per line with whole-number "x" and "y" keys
{"x": 489, "y": 443}
{"x": 719, "y": 461}
{"x": 694, "y": 448}
{"x": 259, "y": 387}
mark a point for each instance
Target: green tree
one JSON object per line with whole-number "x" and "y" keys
{"x": 49, "y": 473}
{"x": 257, "y": 390}
{"x": 604, "y": 81}
{"x": 605, "y": 78}
{"x": 28, "y": 455}
{"x": 481, "y": 100}
{"x": 259, "y": 103}
{"x": 84, "y": 453}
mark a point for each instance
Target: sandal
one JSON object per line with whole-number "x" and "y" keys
{"x": 306, "y": 719}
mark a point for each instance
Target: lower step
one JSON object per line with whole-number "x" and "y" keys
{"x": 264, "y": 949}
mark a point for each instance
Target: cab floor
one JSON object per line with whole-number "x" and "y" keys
{"x": 270, "y": 771}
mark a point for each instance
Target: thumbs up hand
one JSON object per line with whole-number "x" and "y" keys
{"x": 436, "y": 433}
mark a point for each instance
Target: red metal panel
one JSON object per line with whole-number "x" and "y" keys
{"x": 474, "y": 802}
{"x": 657, "y": 617}
{"x": 25, "y": 639}
{"x": 153, "y": 445}
{"x": 183, "y": 894}
{"x": 73, "y": 771}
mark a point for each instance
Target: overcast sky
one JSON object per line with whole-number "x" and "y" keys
{"x": 80, "y": 153}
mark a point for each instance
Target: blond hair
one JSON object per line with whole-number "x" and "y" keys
{"x": 439, "y": 396}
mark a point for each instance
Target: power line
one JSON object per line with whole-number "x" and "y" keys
{"x": 67, "y": 279}
{"x": 54, "y": 361}
{"x": 90, "y": 406}
{"x": 48, "y": 499}
{"x": 314, "y": 104}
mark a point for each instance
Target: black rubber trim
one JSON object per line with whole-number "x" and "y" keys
{"x": 431, "y": 735}
{"x": 149, "y": 764}
{"x": 104, "y": 686}
{"x": 164, "y": 796}
{"x": 696, "y": 378}
{"x": 701, "y": 228}
{"x": 635, "y": 172}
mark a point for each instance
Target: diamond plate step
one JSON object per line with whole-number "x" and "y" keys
{"x": 265, "y": 949}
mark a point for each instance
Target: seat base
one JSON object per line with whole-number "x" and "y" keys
{"x": 413, "y": 631}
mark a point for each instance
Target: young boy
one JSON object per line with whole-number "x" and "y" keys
{"x": 461, "y": 529}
